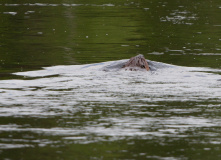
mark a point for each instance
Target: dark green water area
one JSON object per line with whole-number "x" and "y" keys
{"x": 43, "y": 122}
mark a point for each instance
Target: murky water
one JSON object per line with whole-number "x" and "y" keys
{"x": 73, "y": 109}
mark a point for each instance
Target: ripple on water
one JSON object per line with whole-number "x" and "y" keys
{"x": 11, "y": 13}
{"x": 55, "y": 5}
{"x": 172, "y": 102}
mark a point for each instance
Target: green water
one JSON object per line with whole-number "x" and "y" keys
{"x": 41, "y": 33}
{"x": 44, "y": 35}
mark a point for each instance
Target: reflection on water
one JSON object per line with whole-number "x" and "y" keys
{"x": 180, "y": 17}
{"x": 73, "y": 111}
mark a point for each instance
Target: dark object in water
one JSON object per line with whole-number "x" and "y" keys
{"x": 136, "y": 63}
{"x": 121, "y": 64}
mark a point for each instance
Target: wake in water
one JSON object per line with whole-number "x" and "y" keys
{"x": 129, "y": 102}
{"x": 93, "y": 83}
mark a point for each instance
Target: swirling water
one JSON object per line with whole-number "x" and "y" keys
{"x": 57, "y": 102}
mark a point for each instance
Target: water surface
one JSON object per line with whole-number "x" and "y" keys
{"x": 56, "y": 102}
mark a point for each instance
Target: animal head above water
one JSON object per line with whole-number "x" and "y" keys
{"x": 136, "y": 63}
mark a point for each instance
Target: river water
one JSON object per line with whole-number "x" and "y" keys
{"x": 58, "y": 102}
